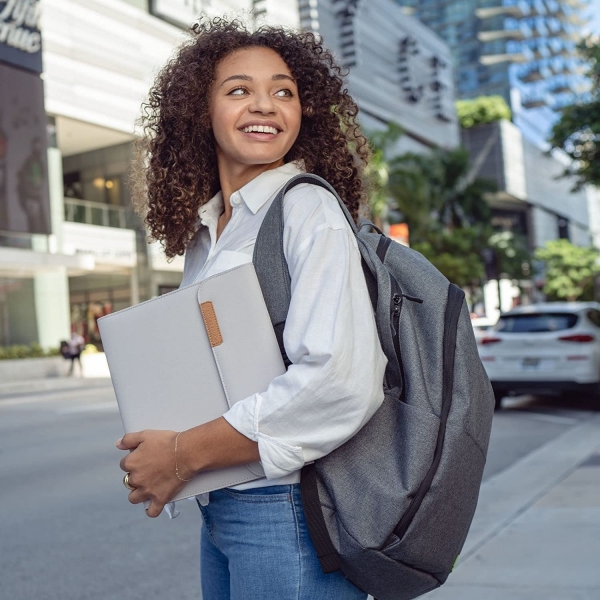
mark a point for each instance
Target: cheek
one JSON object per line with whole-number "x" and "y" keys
{"x": 220, "y": 124}
{"x": 294, "y": 120}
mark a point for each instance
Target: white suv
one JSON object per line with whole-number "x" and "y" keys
{"x": 544, "y": 348}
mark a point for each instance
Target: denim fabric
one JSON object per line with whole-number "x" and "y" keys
{"x": 255, "y": 545}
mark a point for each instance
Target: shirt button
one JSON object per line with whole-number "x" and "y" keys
{"x": 235, "y": 199}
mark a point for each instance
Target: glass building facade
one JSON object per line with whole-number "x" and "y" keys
{"x": 522, "y": 50}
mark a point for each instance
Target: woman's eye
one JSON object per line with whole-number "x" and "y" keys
{"x": 237, "y": 91}
{"x": 285, "y": 93}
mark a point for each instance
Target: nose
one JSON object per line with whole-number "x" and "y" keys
{"x": 263, "y": 103}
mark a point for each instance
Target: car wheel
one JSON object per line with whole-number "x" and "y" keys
{"x": 498, "y": 397}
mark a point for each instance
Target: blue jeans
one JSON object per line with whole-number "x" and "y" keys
{"x": 255, "y": 545}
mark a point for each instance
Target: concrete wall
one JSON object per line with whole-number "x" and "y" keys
{"x": 100, "y": 57}
{"x": 547, "y": 190}
{"x": 378, "y": 81}
{"x": 527, "y": 175}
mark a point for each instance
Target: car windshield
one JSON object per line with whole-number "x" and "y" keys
{"x": 536, "y": 322}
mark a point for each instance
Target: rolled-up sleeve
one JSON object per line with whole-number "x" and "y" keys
{"x": 334, "y": 384}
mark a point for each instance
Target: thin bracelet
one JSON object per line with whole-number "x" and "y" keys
{"x": 176, "y": 466}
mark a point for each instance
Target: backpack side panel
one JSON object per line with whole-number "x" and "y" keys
{"x": 377, "y": 473}
{"x": 439, "y": 529}
{"x": 372, "y": 479}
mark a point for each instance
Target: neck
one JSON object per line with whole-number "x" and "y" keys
{"x": 234, "y": 176}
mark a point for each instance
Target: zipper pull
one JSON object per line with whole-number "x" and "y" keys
{"x": 413, "y": 299}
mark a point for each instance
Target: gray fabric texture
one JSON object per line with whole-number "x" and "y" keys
{"x": 370, "y": 483}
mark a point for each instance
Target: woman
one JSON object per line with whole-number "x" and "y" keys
{"x": 230, "y": 120}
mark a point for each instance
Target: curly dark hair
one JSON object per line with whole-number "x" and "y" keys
{"x": 175, "y": 169}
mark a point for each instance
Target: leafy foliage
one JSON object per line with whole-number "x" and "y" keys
{"x": 23, "y": 351}
{"x": 570, "y": 270}
{"x": 577, "y": 132}
{"x": 452, "y": 252}
{"x": 447, "y": 214}
{"x": 485, "y": 109}
{"x": 513, "y": 258}
{"x": 446, "y": 210}
{"x": 376, "y": 172}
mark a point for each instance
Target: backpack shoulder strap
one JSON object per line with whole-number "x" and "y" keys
{"x": 269, "y": 257}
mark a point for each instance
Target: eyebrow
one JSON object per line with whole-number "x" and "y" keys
{"x": 277, "y": 77}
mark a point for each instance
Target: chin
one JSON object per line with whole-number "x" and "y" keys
{"x": 259, "y": 159}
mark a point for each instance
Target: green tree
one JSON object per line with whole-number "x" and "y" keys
{"x": 577, "y": 132}
{"x": 512, "y": 254}
{"x": 485, "y": 109}
{"x": 445, "y": 209}
{"x": 377, "y": 171}
{"x": 456, "y": 253}
{"x": 570, "y": 270}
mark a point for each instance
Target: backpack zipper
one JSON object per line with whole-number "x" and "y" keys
{"x": 453, "y": 307}
{"x": 396, "y": 309}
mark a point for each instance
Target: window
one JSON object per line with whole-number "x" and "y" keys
{"x": 536, "y": 322}
{"x": 563, "y": 228}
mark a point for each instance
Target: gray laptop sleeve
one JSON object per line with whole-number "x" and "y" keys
{"x": 185, "y": 358}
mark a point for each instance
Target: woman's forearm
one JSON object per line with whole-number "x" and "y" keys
{"x": 214, "y": 445}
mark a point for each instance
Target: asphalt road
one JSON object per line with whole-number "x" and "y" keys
{"x": 67, "y": 531}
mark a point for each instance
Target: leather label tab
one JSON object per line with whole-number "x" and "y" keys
{"x": 212, "y": 324}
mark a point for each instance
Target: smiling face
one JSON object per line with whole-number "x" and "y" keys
{"x": 255, "y": 109}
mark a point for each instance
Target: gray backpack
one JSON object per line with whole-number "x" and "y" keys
{"x": 391, "y": 507}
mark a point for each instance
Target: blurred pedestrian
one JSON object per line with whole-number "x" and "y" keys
{"x": 231, "y": 119}
{"x": 75, "y": 347}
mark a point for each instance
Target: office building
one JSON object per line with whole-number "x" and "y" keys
{"x": 399, "y": 70}
{"x": 71, "y": 248}
{"x": 522, "y": 50}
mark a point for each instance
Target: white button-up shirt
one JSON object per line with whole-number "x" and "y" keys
{"x": 335, "y": 381}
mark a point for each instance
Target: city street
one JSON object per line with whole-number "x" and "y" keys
{"x": 68, "y": 533}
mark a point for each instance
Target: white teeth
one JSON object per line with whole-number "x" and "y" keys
{"x": 260, "y": 129}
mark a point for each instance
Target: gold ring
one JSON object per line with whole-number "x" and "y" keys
{"x": 126, "y": 482}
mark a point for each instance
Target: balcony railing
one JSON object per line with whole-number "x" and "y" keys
{"x": 95, "y": 213}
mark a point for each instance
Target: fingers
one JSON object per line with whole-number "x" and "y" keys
{"x": 154, "y": 509}
{"x": 130, "y": 441}
{"x": 125, "y": 464}
{"x": 156, "y": 506}
{"x": 138, "y": 495}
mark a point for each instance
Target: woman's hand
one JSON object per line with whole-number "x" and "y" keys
{"x": 151, "y": 463}
{"x": 151, "y": 468}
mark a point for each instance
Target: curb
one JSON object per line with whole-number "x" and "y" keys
{"x": 17, "y": 389}
{"x": 511, "y": 492}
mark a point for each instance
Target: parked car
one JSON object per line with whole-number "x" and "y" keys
{"x": 481, "y": 325}
{"x": 550, "y": 347}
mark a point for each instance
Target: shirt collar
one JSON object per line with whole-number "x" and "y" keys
{"x": 257, "y": 192}
{"x": 210, "y": 212}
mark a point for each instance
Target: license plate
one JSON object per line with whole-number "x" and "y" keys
{"x": 531, "y": 363}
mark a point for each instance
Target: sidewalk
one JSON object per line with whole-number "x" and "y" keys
{"x": 536, "y": 533}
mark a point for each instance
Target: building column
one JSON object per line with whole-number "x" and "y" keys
{"x": 51, "y": 289}
{"x": 134, "y": 286}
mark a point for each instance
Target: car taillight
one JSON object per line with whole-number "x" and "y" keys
{"x": 489, "y": 340}
{"x": 580, "y": 338}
